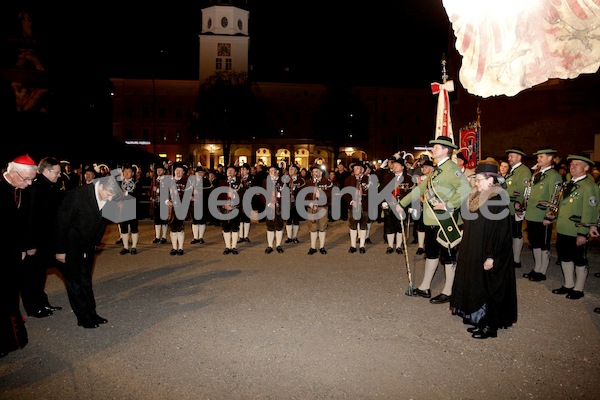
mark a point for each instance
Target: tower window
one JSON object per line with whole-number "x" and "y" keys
{"x": 228, "y": 64}
{"x": 218, "y": 64}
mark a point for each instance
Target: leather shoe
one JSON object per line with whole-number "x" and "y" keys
{"x": 562, "y": 290}
{"x": 575, "y": 294}
{"x": 41, "y": 313}
{"x": 194, "y": 241}
{"x": 234, "y": 251}
{"x": 399, "y": 250}
{"x": 268, "y": 250}
{"x": 227, "y": 251}
{"x": 87, "y": 323}
{"x": 362, "y": 250}
{"x": 472, "y": 329}
{"x": 180, "y": 252}
{"x": 279, "y": 249}
{"x": 163, "y": 241}
{"x": 440, "y": 299}
{"x": 201, "y": 241}
{"x": 423, "y": 293}
{"x": 311, "y": 251}
{"x": 484, "y": 333}
{"x": 124, "y": 251}
{"x": 322, "y": 250}
{"x": 537, "y": 277}
{"x": 173, "y": 252}
{"x": 528, "y": 274}
{"x": 420, "y": 251}
{"x": 133, "y": 250}
{"x": 389, "y": 250}
{"x": 50, "y": 307}
{"x": 156, "y": 240}
{"x": 516, "y": 264}
{"x": 368, "y": 241}
{"x": 98, "y": 319}
{"x": 289, "y": 240}
{"x": 295, "y": 240}
{"x": 352, "y": 249}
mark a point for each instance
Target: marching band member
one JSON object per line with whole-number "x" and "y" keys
{"x": 368, "y": 171}
{"x": 317, "y": 225}
{"x": 160, "y": 225}
{"x": 577, "y": 211}
{"x": 295, "y": 184}
{"x": 517, "y": 184}
{"x": 426, "y": 168}
{"x": 358, "y": 207}
{"x": 401, "y": 187}
{"x": 231, "y": 224}
{"x": 445, "y": 191}
{"x": 274, "y": 221}
{"x": 543, "y": 184}
{"x": 201, "y": 190}
{"x": 247, "y": 181}
{"x": 176, "y": 192}
{"x": 129, "y": 229}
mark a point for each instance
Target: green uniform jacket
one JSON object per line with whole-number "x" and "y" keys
{"x": 516, "y": 182}
{"x": 578, "y": 206}
{"x": 541, "y": 191}
{"x": 450, "y": 184}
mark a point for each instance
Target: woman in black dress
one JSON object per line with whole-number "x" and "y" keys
{"x": 484, "y": 291}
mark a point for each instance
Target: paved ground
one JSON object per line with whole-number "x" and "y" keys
{"x": 292, "y": 326}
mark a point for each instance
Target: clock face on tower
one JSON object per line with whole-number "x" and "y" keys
{"x": 224, "y": 49}
{"x": 224, "y": 22}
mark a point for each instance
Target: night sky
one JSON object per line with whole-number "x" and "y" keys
{"x": 316, "y": 41}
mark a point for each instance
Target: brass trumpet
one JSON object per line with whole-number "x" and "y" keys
{"x": 552, "y": 204}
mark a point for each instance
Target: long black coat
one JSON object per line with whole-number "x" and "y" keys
{"x": 475, "y": 287}
{"x": 80, "y": 225}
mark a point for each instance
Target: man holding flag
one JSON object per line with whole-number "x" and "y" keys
{"x": 445, "y": 190}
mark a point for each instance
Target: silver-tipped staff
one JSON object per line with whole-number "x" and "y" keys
{"x": 410, "y": 289}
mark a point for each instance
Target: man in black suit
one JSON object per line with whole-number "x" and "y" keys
{"x": 80, "y": 227}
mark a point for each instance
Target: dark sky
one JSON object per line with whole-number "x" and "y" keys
{"x": 385, "y": 42}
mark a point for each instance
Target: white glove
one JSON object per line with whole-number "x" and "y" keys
{"x": 414, "y": 213}
{"x": 401, "y": 212}
{"x": 385, "y": 205}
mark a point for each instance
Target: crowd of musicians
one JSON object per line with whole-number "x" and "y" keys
{"x": 470, "y": 221}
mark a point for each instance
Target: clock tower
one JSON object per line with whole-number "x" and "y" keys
{"x": 223, "y": 39}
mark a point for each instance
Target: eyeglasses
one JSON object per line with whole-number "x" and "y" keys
{"x": 25, "y": 179}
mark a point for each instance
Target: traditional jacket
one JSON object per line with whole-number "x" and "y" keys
{"x": 542, "y": 187}
{"x": 295, "y": 184}
{"x": 402, "y": 186}
{"x": 516, "y": 182}
{"x": 323, "y": 184}
{"x": 362, "y": 185}
{"x": 234, "y": 194}
{"x": 450, "y": 186}
{"x": 578, "y": 204}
